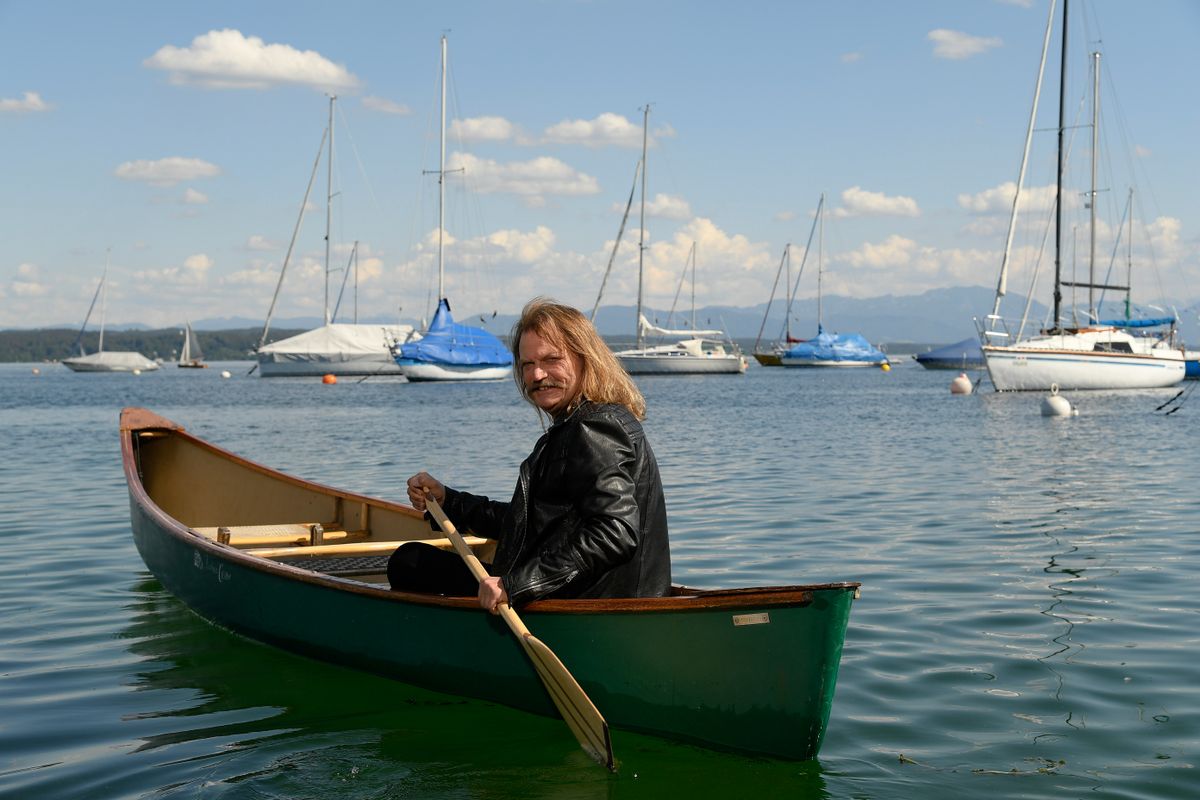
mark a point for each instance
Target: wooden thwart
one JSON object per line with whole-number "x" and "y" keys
{"x": 354, "y": 548}
{"x": 577, "y": 709}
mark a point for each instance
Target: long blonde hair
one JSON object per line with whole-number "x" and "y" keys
{"x": 602, "y": 378}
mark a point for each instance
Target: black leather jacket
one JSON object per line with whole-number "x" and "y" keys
{"x": 587, "y": 518}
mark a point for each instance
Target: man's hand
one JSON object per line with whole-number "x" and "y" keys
{"x": 492, "y": 594}
{"x": 421, "y": 483}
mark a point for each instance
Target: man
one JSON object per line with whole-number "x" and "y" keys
{"x": 587, "y": 517}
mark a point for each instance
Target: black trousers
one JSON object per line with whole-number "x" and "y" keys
{"x": 420, "y": 567}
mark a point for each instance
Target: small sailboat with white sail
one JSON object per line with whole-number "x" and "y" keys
{"x": 829, "y": 349}
{"x": 447, "y": 350}
{"x": 102, "y": 360}
{"x": 337, "y": 348}
{"x": 191, "y": 356}
{"x": 696, "y": 352}
{"x": 1091, "y": 355}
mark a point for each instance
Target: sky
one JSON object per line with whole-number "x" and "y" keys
{"x": 175, "y": 141}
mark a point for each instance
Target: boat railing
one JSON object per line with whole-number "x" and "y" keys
{"x": 994, "y": 330}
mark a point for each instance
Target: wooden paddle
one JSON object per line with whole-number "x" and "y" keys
{"x": 572, "y": 702}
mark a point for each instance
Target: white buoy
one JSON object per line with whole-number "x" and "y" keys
{"x": 1056, "y": 405}
{"x": 137, "y": 372}
{"x": 225, "y": 373}
{"x": 961, "y": 384}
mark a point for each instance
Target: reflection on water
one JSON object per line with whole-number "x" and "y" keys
{"x": 234, "y": 718}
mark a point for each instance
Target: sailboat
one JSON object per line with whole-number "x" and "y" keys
{"x": 829, "y": 349}
{"x": 191, "y": 356}
{"x": 703, "y": 352}
{"x": 1095, "y": 355}
{"x": 102, "y": 361}
{"x": 334, "y": 348}
{"x": 447, "y": 350}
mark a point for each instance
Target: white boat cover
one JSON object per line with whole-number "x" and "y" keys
{"x": 110, "y": 361}
{"x": 331, "y": 347}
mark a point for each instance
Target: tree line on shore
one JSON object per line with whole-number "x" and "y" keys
{"x": 55, "y": 344}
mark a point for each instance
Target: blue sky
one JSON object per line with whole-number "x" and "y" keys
{"x": 182, "y": 136}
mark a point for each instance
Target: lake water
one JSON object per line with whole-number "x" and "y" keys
{"x": 1028, "y": 626}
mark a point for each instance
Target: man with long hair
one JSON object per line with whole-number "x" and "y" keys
{"x": 587, "y": 517}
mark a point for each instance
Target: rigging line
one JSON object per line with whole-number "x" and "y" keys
{"x": 341, "y": 111}
{"x": 617, "y": 243}
{"x": 771, "y": 299}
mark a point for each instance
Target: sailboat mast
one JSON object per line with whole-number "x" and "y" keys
{"x": 328, "y": 203}
{"x": 642, "y": 226}
{"x": 820, "y": 255}
{"x": 1092, "y": 315}
{"x": 1129, "y": 258}
{"x": 442, "y": 179}
{"x": 1058, "y": 204}
{"x": 103, "y": 299}
{"x": 693, "y": 286}
{"x": 1002, "y": 283}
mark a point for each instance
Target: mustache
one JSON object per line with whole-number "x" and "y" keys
{"x": 545, "y": 384}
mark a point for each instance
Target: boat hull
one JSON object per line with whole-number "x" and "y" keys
{"x": 750, "y": 670}
{"x": 768, "y": 359}
{"x": 826, "y": 362}
{"x": 418, "y": 371}
{"x": 1015, "y": 369}
{"x": 682, "y": 365}
{"x": 110, "y": 361}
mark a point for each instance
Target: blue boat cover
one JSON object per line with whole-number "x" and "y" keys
{"x": 837, "y": 347}
{"x": 447, "y": 342}
{"x": 1152, "y": 322}
{"x": 960, "y": 355}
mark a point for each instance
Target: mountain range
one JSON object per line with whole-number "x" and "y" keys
{"x": 938, "y": 316}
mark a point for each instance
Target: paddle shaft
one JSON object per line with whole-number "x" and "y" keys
{"x": 576, "y": 708}
{"x": 477, "y": 569}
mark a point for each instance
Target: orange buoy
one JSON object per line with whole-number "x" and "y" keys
{"x": 330, "y": 378}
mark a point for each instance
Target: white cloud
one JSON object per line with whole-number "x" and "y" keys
{"x": 198, "y": 265}
{"x": 1142, "y": 151}
{"x": 194, "y": 198}
{"x": 27, "y": 283}
{"x": 167, "y": 171}
{"x": 895, "y": 251}
{"x": 258, "y": 273}
{"x": 29, "y": 102}
{"x": 851, "y": 58}
{"x": 257, "y": 242}
{"x": 992, "y": 207}
{"x": 385, "y": 106}
{"x": 667, "y": 206}
{"x": 482, "y": 129}
{"x": 956, "y": 45}
{"x": 606, "y": 130}
{"x": 227, "y": 59}
{"x": 858, "y": 202}
{"x": 533, "y": 179}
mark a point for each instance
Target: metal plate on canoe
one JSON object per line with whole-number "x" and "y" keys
{"x": 751, "y": 619}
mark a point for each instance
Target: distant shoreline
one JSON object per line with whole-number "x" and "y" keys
{"x": 51, "y": 345}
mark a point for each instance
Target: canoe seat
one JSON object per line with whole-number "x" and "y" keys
{"x": 297, "y": 534}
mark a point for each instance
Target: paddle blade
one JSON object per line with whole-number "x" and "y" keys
{"x": 577, "y": 709}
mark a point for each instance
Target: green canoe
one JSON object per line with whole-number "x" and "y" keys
{"x": 302, "y": 566}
